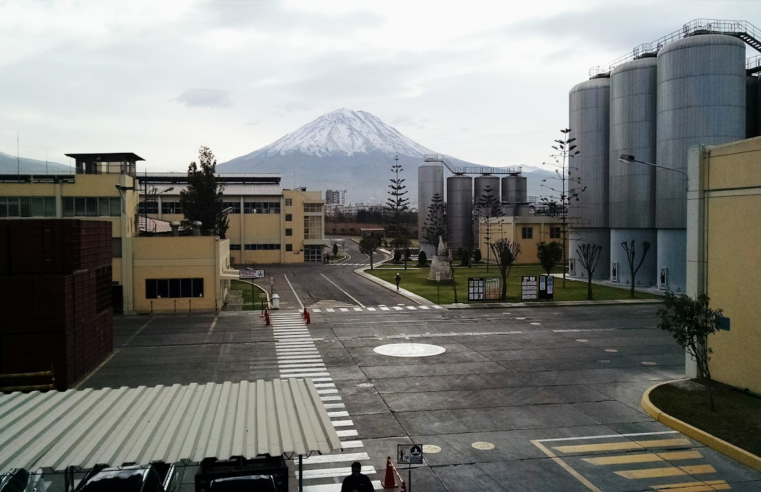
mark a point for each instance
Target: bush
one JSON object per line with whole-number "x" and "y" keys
{"x": 422, "y": 259}
{"x": 465, "y": 257}
{"x": 477, "y": 255}
{"x": 397, "y": 256}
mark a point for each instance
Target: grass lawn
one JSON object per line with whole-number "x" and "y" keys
{"x": 248, "y": 305}
{"x": 416, "y": 280}
{"x": 737, "y": 418}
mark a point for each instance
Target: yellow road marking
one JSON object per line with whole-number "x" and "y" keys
{"x": 707, "y": 486}
{"x": 620, "y": 446}
{"x": 670, "y": 471}
{"x": 566, "y": 467}
{"x": 643, "y": 458}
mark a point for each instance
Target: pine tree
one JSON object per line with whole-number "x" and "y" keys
{"x": 203, "y": 199}
{"x": 397, "y": 203}
{"x": 487, "y": 207}
{"x": 435, "y": 222}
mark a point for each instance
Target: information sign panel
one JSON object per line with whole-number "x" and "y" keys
{"x": 475, "y": 289}
{"x": 546, "y": 287}
{"x": 251, "y": 274}
{"x": 529, "y": 288}
{"x": 492, "y": 291}
{"x": 410, "y": 454}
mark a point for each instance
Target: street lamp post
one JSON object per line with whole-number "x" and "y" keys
{"x": 628, "y": 159}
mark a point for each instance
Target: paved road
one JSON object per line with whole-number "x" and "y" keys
{"x": 522, "y": 399}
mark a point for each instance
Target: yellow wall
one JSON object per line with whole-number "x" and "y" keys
{"x": 732, "y": 232}
{"x": 179, "y": 257}
{"x": 512, "y": 228}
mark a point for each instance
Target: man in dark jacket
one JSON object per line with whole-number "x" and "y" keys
{"x": 356, "y": 482}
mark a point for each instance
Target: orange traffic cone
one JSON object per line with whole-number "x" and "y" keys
{"x": 404, "y": 487}
{"x": 389, "y": 482}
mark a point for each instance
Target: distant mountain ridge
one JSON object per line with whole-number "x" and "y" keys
{"x": 8, "y": 165}
{"x": 343, "y": 150}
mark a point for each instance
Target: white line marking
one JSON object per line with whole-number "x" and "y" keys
{"x": 371, "y": 309}
{"x": 347, "y": 433}
{"x": 358, "y": 309}
{"x": 343, "y": 310}
{"x": 608, "y": 436}
{"x": 336, "y": 487}
{"x": 306, "y": 375}
{"x": 316, "y": 310}
{"x": 334, "y": 472}
{"x": 331, "y": 398}
{"x": 293, "y": 290}
{"x": 424, "y": 307}
{"x": 342, "y": 423}
{"x": 334, "y": 405}
{"x": 411, "y": 308}
{"x": 343, "y": 413}
{"x": 325, "y": 385}
{"x": 321, "y": 379}
{"x": 339, "y": 288}
{"x": 336, "y": 458}
{"x": 384, "y": 309}
{"x": 352, "y": 444}
{"x": 305, "y": 369}
{"x": 331, "y": 391}
{"x": 397, "y": 308}
{"x": 319, "y": 365}
{"x": 437, "y": 307}
{"x": 330, "y": 310}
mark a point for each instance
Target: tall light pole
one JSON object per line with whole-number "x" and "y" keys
{"x": 629, "y": 159}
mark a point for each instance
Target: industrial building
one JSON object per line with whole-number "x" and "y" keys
{"x": 691, "y": 87}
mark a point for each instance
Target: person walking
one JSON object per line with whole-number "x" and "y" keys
{"x": 398, "y": 279}
{"x": 357, "y": 482}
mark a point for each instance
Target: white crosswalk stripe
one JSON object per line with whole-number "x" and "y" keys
{"x": 377, "y": 309}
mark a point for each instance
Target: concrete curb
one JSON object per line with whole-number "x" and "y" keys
{"x": 547, "y": 304}
{"x": 421, "y": 301}
{"x": 713, "y": 442}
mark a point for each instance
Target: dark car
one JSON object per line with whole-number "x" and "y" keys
{"x": 156, "y": 477}
{"x": 14, "y": 481}
{"x": 250, "y": 483}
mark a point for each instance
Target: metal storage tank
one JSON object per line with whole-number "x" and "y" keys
{"x": 514, "y": 193}
{"x": 751, "y": 106}
{"x": 589, "y": 123}
{"x": 430, "y": 182}
{"x": 701, "y": 100}
{"x": 480, "y": 185}
{"x": 459, "y": 210}
{"x": 633, "y": 91}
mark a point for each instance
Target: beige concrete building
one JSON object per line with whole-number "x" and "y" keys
{"x": 724, "y": 253}
{"x": 528, "y": 231}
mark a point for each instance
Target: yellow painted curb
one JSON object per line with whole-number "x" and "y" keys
{"x": 713, "y": 442}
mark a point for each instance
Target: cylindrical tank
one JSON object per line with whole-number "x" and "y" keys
{"x": 459, "y": 210}
{"x": 514, "y": 193}
{"x": 701, "y": 100}
{"x": 486, "y": 185}
{"x": 633, "y": 91}
{"x": 647, "y": 273}
{"x": 430, "y": 182}
{"x": 597, "y": 235}
{"x": 751, "y": 106}
{"x": 589, "y": 123}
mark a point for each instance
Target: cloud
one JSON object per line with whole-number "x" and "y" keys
{"x": 252, "y": 123}
{"x": 205, "y": 98}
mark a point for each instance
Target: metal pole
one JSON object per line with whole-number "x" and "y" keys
{"x": 409, "y": 478}
{"x": 438, "y": 292}
{"x": 301, "y": 474}
{"x": 253, "y": 299}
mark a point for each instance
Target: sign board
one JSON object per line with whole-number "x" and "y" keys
{"x": 475, "y": 289}
{"x": 438, "y": 276}
{"x": 262, "y": 295}
{"x": 410, "y": 454}
{"x": 492, "y": 290}
{"x": 251, "y": 274}
{"x": 546, "y": 287}
{"x": 722, "y": 323}
{"x": 528, "y": 288}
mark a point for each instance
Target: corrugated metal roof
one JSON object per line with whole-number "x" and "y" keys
{"x": 255, "y": 189}
{"x": 53, "y": 430}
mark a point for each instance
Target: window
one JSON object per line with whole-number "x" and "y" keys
{"x": 262, "y": 247}
{"x": 173, "y": 288}
{"x": 288, "y": 217}
{"x": 148, "y": 207}
{"x": 288, "y": 202}
{"x": 313, "y": 207}
{"x": 171, "y": 208}
{"x": 289, "y": 232}
{"x": 289, "y": 247}
{"x": 555, "y": 233}
{"x": 313, "y": 227}
{"x": 313, "y": 254}
{"x": 235, "y": 206}
{"x": 235, "y": 247}
{"x": 38, "y": 206}
{"x": 116, "y": 247}
{"x": 261, "y": 207}
{"x": 92, "y": 207}
{"x": 527, "y": 232}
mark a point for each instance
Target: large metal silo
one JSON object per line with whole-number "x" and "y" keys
{"x": 483, "y": 183}
{"x": 633, "y": 96}
{"x": 701, "y": 100}
{"x": 459, "y": 210}
{"x": 430, "y": 182}
{"x": 514, "y": 191}
{"x": 589, "y": 123}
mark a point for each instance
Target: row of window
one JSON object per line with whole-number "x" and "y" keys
{"x": 312, "y": 227}
{"x": 173, "y": 288}
{"x": 252, "y": 207}
{"x": 14, "y": 206}
{"x": 528, "y": 232}
{"x": 92, "y": 207}
{"x": 313, "y": 207}
{"x": 255, "y": 247}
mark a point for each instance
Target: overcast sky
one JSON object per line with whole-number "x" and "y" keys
{"x": 483, "y": 83}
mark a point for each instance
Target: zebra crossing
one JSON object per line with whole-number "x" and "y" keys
{"x": 297, "y": 357}
{"x": 377, "y": 309}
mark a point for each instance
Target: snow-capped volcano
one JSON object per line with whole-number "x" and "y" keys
{"x": 342, "y": 150}
{"x": 348, "y": 132}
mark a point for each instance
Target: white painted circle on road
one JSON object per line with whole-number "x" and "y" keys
{"x": 431, "y": 449}
{"x": 409, "y": 350}
{"x": 485, "y": 446}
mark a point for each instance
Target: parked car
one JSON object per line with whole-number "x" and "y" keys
{"x": 156, "y": 477}
{"x": 14, "y": 481}
{"x": 250, "y": 483}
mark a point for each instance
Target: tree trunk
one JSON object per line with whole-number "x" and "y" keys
{"x": 504, "y": 288}
{"x": 631, "y": 292}
{"x": 710, "y": 394}
{"x": 589, "y": 287}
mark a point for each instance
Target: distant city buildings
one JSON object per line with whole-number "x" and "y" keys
{"x": 335, "y": 197}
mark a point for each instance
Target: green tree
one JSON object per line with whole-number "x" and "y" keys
{"x": 203, "y": 199}
{"x": 589, "y": 256}
{"x": 397, "y": 256}
{"x": 487, "y": 207}
{"x": 397, "y": 203}
{"x": 422, "y": 259}
{"x": 477, "y": 255}
{"x": 690, "y": 321}
{"x": 335, "y": 250}
{"x": 435, "y": 222}
{"x": 505, "y": 254}
{"x": 549, "y": 255}
{"x": 367, "y": 246}
{"x": 631, "y": 254}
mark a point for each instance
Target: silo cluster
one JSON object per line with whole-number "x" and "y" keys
{"x": 694, "y": 92}
{"x": 430, "y": 183}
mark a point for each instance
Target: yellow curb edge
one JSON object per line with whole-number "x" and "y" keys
{"x": 713, "y": 442}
